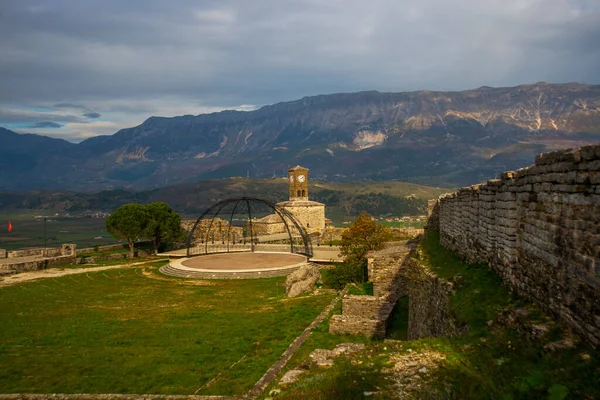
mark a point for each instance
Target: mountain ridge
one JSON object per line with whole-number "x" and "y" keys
{"x": 429, "y": 137}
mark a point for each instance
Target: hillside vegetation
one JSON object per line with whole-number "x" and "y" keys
{"x": 342, "y": 199}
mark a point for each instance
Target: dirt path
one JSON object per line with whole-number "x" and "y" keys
{"x": 57, "y": 272}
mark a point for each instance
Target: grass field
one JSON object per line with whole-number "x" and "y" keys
{"x": 497, "y": 362}
{"x": 29, "y": 232}
{"x": 133, "y": 330}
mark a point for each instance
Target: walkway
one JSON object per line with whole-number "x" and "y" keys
{"x": 58, "y": 272}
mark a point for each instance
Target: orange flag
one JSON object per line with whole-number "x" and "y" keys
{"x": 9, "y": 226}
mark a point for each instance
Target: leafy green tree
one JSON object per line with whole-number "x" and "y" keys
{"x": 163, "y": 224}
{"x": 128, "y": 222}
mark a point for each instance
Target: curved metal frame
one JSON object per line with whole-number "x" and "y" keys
{"x": 282, "y": 212}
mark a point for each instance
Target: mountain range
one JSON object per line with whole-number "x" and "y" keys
{"x": 427, "y": 137}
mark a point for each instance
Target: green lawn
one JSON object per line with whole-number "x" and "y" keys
{"x": 136, "y": 331}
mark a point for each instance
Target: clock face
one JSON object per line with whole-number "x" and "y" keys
{"x": 291, "y": 178}
{"x": 301, "y": 178}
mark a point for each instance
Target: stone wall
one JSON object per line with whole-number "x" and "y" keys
{"x": 433, "y": 215}
{"x": 539, "y": 228}
{"x": 367, "y": 315}
{"x": 37, "y": 252}
{"x": 111, "y": 247}
{"x": 308, "y": 213}
{"x": 36, "y": 264}
{"x": 217, "y": 230}
{"x": 429, "y": 312}
{"x": 395, "y": 273}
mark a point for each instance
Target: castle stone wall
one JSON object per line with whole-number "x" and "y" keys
{"x": 429, "y": 312}
{"x": 539, "y": 229}
{"x": 367, "y": 315}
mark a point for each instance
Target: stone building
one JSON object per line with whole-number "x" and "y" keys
{"x": 310, "y": 214}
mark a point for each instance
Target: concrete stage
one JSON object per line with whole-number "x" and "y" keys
{"x": 242, "y": 265}
{"x": 321, "y": 254}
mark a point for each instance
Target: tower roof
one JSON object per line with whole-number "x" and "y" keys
{"x": 297, "y": 167}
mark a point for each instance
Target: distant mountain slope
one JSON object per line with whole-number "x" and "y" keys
{"x": 451, "y": 138}
{"x": 27, "y": 161}
{"x": 342, "y": 199}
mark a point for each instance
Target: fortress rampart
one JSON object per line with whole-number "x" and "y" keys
{"x": 539, "y": 229}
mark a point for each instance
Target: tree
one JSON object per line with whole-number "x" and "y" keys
{"x": 128, "y": 222}
{"x": 362, "y": 236}
{"x": 163, "y": 224}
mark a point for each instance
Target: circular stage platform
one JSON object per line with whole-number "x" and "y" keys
{"x": 242, "y": 265}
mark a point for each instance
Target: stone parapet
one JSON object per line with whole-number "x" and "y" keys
{"x": 353, "y": 325}
{"x": 539, "y": 229}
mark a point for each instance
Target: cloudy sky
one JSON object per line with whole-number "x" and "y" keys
{"x": 79, "y": 68}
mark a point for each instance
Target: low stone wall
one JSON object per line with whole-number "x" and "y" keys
{"x": 539, "y": 229}
{"x": 36, "y": 264}
{"x": 64, "y": 250}
{"x": 25, "y": 253}
{"x": 406, "y": 232}
{"x": 367, "y": 315}
{"x": 110, "y": 247}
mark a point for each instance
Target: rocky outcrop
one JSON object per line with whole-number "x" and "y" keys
{"x": 303, "y": 280}
{"x": 325, "y": 358}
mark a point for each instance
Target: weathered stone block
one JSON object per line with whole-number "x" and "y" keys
{"x": 590, "y": 152}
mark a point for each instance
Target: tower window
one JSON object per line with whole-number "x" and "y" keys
{"x": 298, "y": 193}
{"x": 303, "y": 193}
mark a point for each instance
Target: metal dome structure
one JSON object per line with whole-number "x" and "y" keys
{"x": 243, "y": 224}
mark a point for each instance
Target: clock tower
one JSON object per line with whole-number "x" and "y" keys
{"x": 298, "y": 181}
{"x": 309, "y": 214}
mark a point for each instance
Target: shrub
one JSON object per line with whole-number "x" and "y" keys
{"x": 341, "y": 274}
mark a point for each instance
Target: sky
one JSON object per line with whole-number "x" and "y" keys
{"x": 74, "y": 69}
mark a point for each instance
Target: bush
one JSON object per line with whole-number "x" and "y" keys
{"x": 344, "y": 273}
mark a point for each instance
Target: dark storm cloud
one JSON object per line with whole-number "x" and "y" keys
{"x": 92, "y": 115}
{"x": 45, "y": 124}
{"x": 69, "y": 105}
{"x": 15, "y": 116}
{"x": 117, "y": 56}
